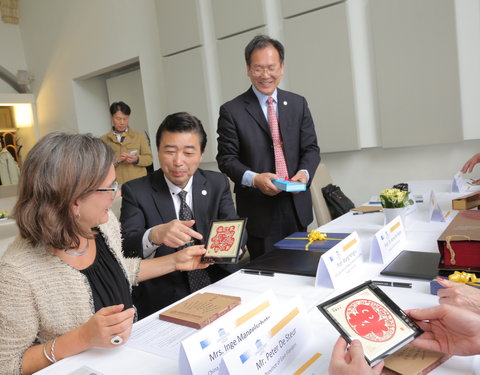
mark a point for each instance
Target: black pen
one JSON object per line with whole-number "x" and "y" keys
{"x": 392, "y": 283}
{"x": 365, "y": 212}
{"x": 260, "y": 273}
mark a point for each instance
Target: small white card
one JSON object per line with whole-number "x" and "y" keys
{"x": 202, "y": 352}
{"x": 413, "y": 207}
{"x": 85, "y": 370}
{"x": 387, "y": 241}
{"x": 284, "y": 343}
{"x": 435, "y": 213}
{"x": 338, "y": 262}
{"x": 460, "y": 185}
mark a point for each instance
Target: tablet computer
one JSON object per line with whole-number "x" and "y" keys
{"x": 367, "y": 314}
{"x": 413, "y": 264}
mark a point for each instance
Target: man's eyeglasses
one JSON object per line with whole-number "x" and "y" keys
{"x": 259, "y": 70}
{"x": 112, "y": 188}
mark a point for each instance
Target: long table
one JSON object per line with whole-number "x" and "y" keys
{"x": 421, "y": 236}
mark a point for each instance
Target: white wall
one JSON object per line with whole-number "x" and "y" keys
{"x": 65, "y": 40}
{"x": 364, "y": 173}
{"x": 91, "y": 104}
{"x": 468, "y": 35}
{"x": 12, "y": 57}
{"x": 128, "y": 88}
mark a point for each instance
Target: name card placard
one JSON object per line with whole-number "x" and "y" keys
{"x": 286, "y": 342}
{"x": 459, "y": 185}
{"x": 338, "y": 262}
{"x": 435, "y": 213}
{"x": 202, "y": 352}
{"x": 387, "y": 241}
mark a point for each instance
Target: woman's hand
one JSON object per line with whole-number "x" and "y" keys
{"x": 459, "y": 294}
{"x": 189, "y": 258}
{"x": 105, "y": 324}
{"x": 448, "y": 329}
{"x": 470, "y": 164}
{"x": 351, "y": 362}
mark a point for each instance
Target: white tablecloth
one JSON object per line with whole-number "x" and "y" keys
{"x": 421, "y": 236}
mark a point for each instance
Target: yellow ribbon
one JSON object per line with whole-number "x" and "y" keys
{"x": 314, "y": 235}
{"x": 465, "y": 278}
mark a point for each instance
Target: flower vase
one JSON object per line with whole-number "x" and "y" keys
{"x": 392, "y": 213}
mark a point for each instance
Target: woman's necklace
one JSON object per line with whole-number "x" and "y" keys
{"x": 79, "y": 252}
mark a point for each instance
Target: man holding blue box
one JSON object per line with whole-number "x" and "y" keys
{"x": 263, "y": 134}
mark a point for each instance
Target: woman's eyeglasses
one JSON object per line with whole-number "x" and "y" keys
{"x": 112, "y": 188}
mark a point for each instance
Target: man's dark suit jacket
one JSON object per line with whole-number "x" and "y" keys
{"x": 245, "y": 143}
{"x": 147, "y": 202}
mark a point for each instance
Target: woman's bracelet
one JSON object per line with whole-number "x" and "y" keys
{"x": 50, "y": 358}
{"x": 52, "y": 350}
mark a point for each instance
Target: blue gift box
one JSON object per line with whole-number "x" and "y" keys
{"x": 287, "y": 185}
{"x": 299, "y": 240}
{"x": 435, "y": 286}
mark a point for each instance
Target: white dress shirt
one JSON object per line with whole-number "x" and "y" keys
{"x": 148, "y": 247}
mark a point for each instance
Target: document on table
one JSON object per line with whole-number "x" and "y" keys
{"x": 158, "y": 337}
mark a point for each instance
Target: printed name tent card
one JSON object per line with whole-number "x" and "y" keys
{"x": 459, "y": 185}
{"x": 339, "y": 262}
{"x": 284, "y": 345}
{"x": 387, "y": 241}
{"x": 202, "y": 352}
{"x": 435, "y": 213}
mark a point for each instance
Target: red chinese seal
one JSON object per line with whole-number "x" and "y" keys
{"x": 370, "y": 320}
{"x": 223, "y": 239}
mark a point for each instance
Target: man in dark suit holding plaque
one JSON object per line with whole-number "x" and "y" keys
{"x": 263, "y": 134}
{"x": 172, "y": 208}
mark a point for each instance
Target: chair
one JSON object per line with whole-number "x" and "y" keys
{"x": 322, "y": 178}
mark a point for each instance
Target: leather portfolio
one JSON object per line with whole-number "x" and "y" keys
{"x": 459, "y": 244}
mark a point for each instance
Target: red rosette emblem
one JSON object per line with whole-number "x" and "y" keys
{"x": 370, "y": 320}
{"x": 223, "y": 239}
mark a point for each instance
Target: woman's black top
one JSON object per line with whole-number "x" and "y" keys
{"x": 106, "y": 277}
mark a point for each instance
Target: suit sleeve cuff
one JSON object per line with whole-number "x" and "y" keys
{"x": 306, "y": 173}
{"x": 247, "y": 179}
{"x": 148, "y": 247}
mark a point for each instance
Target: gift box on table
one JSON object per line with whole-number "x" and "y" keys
{"x": 300, "y": 241}
{"x": 459, "y": 244}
